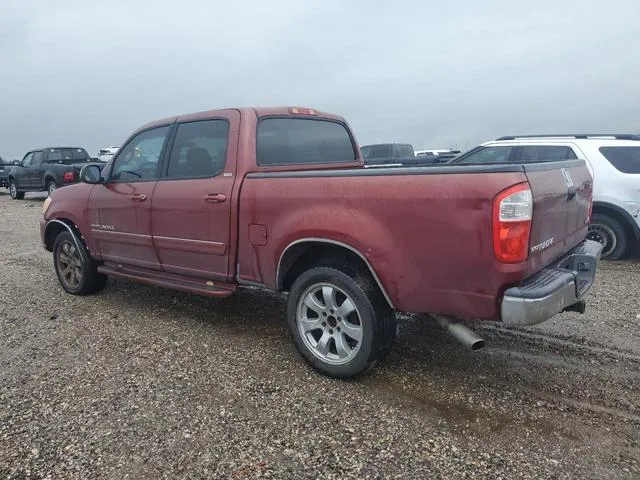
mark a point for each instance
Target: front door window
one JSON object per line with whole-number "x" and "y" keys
{"x": 139, "y": 159}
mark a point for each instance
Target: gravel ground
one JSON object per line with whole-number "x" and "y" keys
{"x": 139, "y": 382}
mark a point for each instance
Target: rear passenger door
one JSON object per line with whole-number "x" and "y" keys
{"x": 36, "y": 172}
{"x": 192, "y": 202}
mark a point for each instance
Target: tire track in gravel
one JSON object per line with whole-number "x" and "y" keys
{"x": 582, "y": 348}
{"x": 565, "y": 375}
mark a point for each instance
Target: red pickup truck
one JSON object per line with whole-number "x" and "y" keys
{"x": 279, "y": 198}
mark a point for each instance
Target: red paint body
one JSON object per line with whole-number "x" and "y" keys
{"x": 426, "y": 234}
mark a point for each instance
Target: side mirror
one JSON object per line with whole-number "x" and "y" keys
{"x": 17, "y": 162}
{"x": 91, "y": 174}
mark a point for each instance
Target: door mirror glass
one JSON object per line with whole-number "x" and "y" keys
{"x": 91, "y": 174}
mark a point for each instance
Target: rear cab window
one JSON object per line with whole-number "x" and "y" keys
{"x": 66, "y": 155}
{"x": 623, "y": 159}
{"x": 303, "y": 141}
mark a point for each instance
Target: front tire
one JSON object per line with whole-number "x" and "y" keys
{"x": 77, "y": 272}
{"x": 611, "y": 234}
{"x": 340, "y": 322}
{"x": 14, "y": 192}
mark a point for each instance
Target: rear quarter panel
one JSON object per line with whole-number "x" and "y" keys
{"x": 427, "y": 235}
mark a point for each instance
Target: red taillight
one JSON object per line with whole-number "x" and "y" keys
{"x": 512, "y": 214}
{"x": 69, "y": 176}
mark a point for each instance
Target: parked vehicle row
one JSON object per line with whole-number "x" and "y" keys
{"x": 106, "y": 154}
{"x": 279, "y": 198}
{"x": 402, "y": 154}
{"x": 438, "y": 156}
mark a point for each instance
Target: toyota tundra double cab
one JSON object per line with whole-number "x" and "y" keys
{"x": 279, "y": 198}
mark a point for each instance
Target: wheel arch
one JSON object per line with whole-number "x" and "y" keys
{"x": 621, "y": 215}
{"x": 55, "y": 227}
{"x": 305, "y": 253}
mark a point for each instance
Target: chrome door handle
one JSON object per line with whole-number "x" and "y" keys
{"x": 215, "y": 198}
{"x": 138, "y": 197}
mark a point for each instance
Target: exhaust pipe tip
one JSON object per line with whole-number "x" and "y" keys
{"x": 461, "y": 333}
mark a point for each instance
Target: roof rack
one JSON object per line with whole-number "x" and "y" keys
{"x": 617, "y": 136}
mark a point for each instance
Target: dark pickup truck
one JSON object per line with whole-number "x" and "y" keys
{"x": 278, "y": 198}
{"x": 46, "y": 169}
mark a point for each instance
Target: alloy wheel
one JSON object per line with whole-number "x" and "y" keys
{"x": 329, "y": 323}
{"x": 70, "y": 265}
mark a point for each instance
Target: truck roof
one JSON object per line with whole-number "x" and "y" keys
{"x": 57, "y": 148}
{"x": 306, "y": 112}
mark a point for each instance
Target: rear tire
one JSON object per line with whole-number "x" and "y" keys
{"x": 611, "y": 234}
{"x": 77, "y": 272}
{"x": 14, "y": 192}
{"x": 341, "y": 324}
{"x": 52, "y": 186}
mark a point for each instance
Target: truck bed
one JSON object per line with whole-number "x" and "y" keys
{"x": 428, "y": 230}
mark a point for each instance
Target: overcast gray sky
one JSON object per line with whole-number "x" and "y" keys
{"x": 430, "y": 73}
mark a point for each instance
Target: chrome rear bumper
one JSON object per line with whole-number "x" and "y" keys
{"x": 557, "y": 288}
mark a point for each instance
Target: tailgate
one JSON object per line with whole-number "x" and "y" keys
{"x": 562, "y": 193}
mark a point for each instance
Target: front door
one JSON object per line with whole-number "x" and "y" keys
{"x": 192, "y": 200}
{"x": 120, "y": 209}
{"x": 25, "y": 175}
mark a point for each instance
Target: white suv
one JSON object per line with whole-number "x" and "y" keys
{"x": 614, "y": 163}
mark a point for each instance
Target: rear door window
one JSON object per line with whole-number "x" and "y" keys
{"x": 300, "y": 141}
{"x": 624, "y": 159}
{"x": 485, "y": 155}
{"x": 199, "y": 149}
{"x": 38, "y": 157}
{"x": 546, "y": 153}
